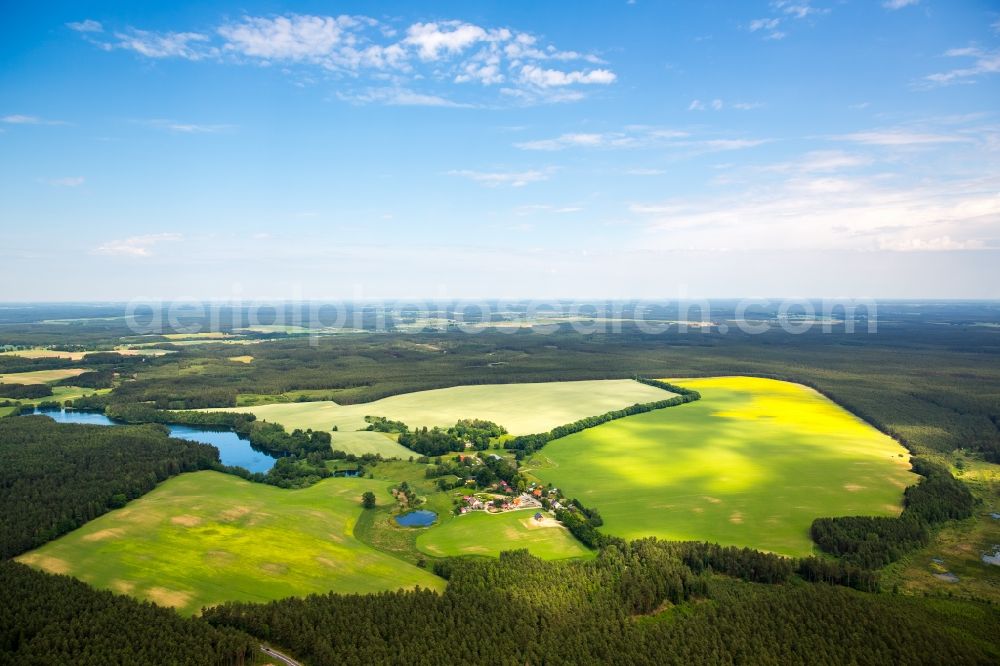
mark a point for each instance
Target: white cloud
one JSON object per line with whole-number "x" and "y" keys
{"x": 364, "y": 54}
{"x": 791, "y": 10}
{"x": 531, "y": 209}
{"x": 639, "y": 137}
{"x": 748, "y": 106}
{"x": 630, "y": 137}
{"x": 136, "y": 246}
{"x": 187, "y": 45}
{"x": 898, "y": 4}
{"x": 696, "y": 105}
{"x": 503, "y": 178}
{"x": 984, "y": 62}
{"x": 291, "y": 37}
{"x": 186, "y": 128}
{"x": 431, "y": 40}
{"x": 545, "y": 78}
{"x": 398, "y": 97}
{"x": 18, "y": 119}
{"x": 804, "y": 212}
{"x": 87, "y": 25}
{"x": 763, "y": 24}
{"x": 900, "y": 137}
{"x": 797, "y": 9}
{"x": 732, "y": 144}
{"x": 569, "y": 140}
{"x": 69, "y": 181}
{"x": 822, "y": 161}
{"x": 645, "y": 172}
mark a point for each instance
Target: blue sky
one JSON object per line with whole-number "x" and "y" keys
{"x": 604, "y": 149}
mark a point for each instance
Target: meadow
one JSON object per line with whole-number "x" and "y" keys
{"x": 40, "y": 376}
{"x": 202, "y": 538}
{"x": 480, "y": 533}
{"x": 751, "y": 464}
{"x": 46, "y": 353}
{"x": 522, "y": 408}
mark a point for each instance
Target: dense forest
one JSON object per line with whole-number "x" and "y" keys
{"x": 56, "y": 477}
{"x": 48, "y": 619}
{"x": 519, "y": 610}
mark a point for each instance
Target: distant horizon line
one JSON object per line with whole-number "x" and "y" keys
{"x": 524, "y": 299}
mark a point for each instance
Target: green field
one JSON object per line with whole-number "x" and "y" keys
{"x": 40, "y": 376}
{"x": 752, "y": 464}
{"x": 202, "y": 538}
{"x": 362, "y": 442}
{"x": 63, "y": 393}
{"x": 521, "y": 408}
{"x": 480, "y": 533}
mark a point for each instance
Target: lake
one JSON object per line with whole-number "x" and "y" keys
{"x": 421, "y": 518}
{"x": 233, "y": 450}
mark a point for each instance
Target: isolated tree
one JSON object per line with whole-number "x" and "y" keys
{"x": 368, "y": 500}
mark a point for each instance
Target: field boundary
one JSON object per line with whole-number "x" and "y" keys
{"x": 525, "y": 445}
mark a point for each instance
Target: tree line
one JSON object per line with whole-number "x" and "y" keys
{"x": 875, "y": 541}
{"x": 525, "y": 445}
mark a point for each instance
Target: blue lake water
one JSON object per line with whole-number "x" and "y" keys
{"x": 233, "y": 450}
{"x": 422, "y": 518}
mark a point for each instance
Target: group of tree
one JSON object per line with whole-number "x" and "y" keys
{"x": 431, "y": 441}
{"x": 383, "y": 424}
{"x": 466, "y": 433}
{"x": 95, "y": 379}
{"x": 25, "y": 391}
{"x": 479, "y": 433}
{"x": 875, "y": 541}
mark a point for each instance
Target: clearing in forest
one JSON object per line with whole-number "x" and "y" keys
{"x": 480, "y": 533}
{"x": 40, "y": 376}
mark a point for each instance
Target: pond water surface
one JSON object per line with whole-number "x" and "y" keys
{"x": 421, "y": 518}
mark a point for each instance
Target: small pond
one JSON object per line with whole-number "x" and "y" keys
{"x": 347, "y": 472}
{"x": 233, "y": 450}
{"x": 421, "y": 518}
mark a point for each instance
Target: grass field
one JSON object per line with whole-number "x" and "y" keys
{"x": 202, "y": 538}
{"x": 480, "y": 533}
{"x": 752, "y": 463}
{"x": 46, "y": 353}
{"x": 521, "y": 408}
{"x": 362, "y": 442}
{"x": 40, "y": 376}
{"x": 63, "y": 393}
